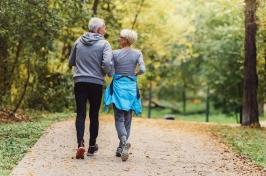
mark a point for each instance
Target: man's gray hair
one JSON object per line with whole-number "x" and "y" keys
{"x": 95, "y": 23}
{"x": 130, "y": 35}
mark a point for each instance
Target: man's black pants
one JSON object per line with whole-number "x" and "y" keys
{"x": 93, "y": 93}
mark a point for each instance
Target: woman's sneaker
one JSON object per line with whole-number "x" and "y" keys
{"x": 125, "y": 154}
{"x": 92, "y": 150}
{"x": 118, "y": 151}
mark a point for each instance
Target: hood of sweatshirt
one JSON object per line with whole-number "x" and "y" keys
{"x": 90, "y": 38}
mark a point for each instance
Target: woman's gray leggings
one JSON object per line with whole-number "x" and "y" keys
{"x": 122, "y": 124}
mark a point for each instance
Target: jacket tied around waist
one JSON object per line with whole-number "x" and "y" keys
{"x": 123, "y": 92}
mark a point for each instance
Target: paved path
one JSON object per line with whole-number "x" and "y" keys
{"x": 159, "y": 148}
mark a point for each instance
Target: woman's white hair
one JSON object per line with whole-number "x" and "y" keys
{"x": 95, "y": 24}
{"x": 130, "y": 35}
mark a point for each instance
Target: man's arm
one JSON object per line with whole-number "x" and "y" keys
{"x": 107, "y": 63}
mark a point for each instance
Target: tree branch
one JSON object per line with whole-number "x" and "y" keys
{"x": 24, "y": 90}
{"x": 137, "y": 14}
{"x": 95, "y": 7}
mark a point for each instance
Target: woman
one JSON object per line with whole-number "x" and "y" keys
{"x": 123, "y": 92}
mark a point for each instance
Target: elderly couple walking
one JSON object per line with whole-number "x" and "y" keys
{"x": 92, "y": 58}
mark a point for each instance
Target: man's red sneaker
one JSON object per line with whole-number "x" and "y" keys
{"x": 80, "y": 153}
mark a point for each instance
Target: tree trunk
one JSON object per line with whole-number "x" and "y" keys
{"x": 240, "y": 114}
{"x": 24, "y": 89}
{"x": 3, "y": 69}
{"x": 95, "y": 8}
{"x": 250, "y": 104}
{"x": 15, "y": 63}
{"x": 239, "y": 109}
{"x": 137, "y": 14}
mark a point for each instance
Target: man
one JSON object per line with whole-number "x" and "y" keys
{"x": 91, "y": 56}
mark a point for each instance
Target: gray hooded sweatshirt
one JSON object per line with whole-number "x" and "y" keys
{"x": 91, "y": 56}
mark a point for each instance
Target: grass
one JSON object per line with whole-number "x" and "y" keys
{"x": 17, "y": 138}
{"x": 250, "y": 142}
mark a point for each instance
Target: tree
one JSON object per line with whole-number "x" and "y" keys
{"x": 250, "y": 105}
{"x": 218, "y": 40}
{"x": 186, "y": 49}
{"x": 26, "y": 32}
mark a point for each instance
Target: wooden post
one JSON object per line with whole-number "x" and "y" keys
{"x": 150, "y": 99}
{"x": 184, "y": 98}
{"x": 207, "y": 105}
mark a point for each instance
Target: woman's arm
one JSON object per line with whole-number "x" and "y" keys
{"x": 141, "y": 65}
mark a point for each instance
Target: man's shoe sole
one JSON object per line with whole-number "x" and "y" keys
{"x": 80, "y": 153}
{"x": 91, "y": 154}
